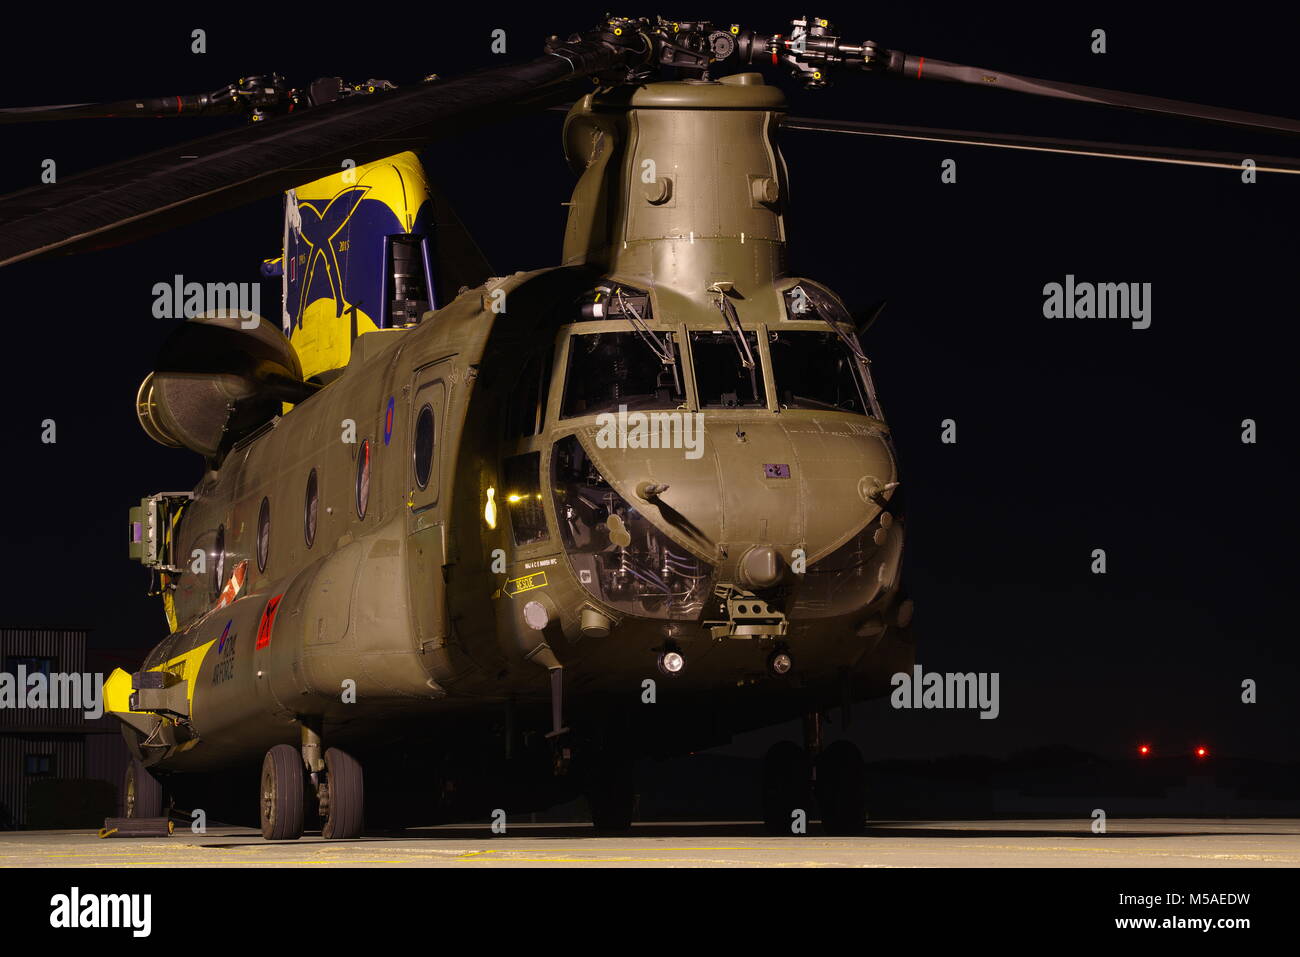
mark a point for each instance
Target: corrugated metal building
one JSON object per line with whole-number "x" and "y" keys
{"x": 44, "y": 746}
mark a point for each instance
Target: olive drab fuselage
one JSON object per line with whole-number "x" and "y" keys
{"x": 455, "y": 577}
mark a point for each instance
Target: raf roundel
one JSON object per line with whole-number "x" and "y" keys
{"x": 388, "y": 421}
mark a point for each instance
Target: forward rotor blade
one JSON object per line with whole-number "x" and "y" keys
{"x": 144, "y": 195}
{"x": 919, "y": 67}
{"x": 1039, "y": 144}
{"x": 155, "y": 106}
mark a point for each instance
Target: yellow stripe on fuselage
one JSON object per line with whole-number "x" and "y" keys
{"x": 117, "y": 688}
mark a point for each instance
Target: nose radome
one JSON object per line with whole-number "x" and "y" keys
{"x": 760, "y": 567}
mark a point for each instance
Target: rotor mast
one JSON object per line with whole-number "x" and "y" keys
{"x": 681, "y": 188}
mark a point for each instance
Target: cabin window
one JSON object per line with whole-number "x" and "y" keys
{"x": 219, "y": 561}
{"x": 363, "y": 478}
{"x": 263, "y": 534}
{"x": 524, "y": 498}
{"x": 728, "y": 374}
{"x": 612, "y": 369}
{"x": 311, "y": 509}
{"x": 423, "y": 447}
{"x": 814, "y": 370}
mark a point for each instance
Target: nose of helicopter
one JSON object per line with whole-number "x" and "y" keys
{"x": 752, "y": 491}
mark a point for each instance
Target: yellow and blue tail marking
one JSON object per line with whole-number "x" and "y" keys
{"x": 357, "y": 257}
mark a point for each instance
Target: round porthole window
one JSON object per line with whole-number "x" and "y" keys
{"x": 423, "y": 450}
{"x": 311, "y": 509}
{"x": 363, "y": 478}
{"x": 263, "y": 534}
{"x": 219, "y": 561}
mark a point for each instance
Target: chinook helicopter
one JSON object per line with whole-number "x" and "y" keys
{"x": 468, "y": 541}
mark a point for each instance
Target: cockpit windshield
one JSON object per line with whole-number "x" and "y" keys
{"x": 727, "y": 374}
{"x": 612, "y": 369}
{"x": 646, "y": 369}
{"x": 815, "y": 370}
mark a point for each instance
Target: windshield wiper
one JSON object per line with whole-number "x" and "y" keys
{"x": 738, "y": 338}
{"x": 665, "y": 352}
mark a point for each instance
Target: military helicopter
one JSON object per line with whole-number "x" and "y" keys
{"x": 490, "y": 538}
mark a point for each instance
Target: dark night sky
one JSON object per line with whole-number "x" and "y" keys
{"x": 1072, "y": 434}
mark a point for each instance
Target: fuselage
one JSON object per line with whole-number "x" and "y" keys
{"x": 666, "y": 444}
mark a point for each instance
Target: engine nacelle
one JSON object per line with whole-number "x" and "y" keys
{"x": 218, "y": 377}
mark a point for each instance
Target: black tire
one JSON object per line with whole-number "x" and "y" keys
{"x": 787, "y": 786}
{"x": 347, "y": 795}
{"x": 611, "y": 795}
{"x": 842, "y": 789}
{"x": 142, "y": 795}
{"x": 280, "y": 804}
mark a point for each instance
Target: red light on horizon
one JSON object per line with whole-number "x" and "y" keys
{"x": 1144, "y": 750}
{"x": 1201, "y": 753}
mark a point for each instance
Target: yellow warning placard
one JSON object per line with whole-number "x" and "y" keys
{"x": 515, "y": 585}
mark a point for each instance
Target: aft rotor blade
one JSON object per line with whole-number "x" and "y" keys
{"x": 919, "y": 67}
{"x": 146, "y": 194}
{"x": 1039, "y": 144}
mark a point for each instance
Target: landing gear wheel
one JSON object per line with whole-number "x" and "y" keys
{"x": 282, "y": 794}
{"x": 787, "y": 786}
{"x": 842, "y": 789}
{"x": 611, "y": 794}
{"x": 141, "y": 793}
{"x": 346, "y": 794}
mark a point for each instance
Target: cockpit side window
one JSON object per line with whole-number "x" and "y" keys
{"x": 524, "y": 498}
{"x": 611, "y": 369}
{"x": 814, "y": 370}
{"x": 526, "y": 411}
{"x": 727, "y": 374}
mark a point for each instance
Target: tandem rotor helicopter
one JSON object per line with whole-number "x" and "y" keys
{"x": 459, "y": 529}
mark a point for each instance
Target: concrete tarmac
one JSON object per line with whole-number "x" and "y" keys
{"x": 1148, "y": 842}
